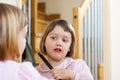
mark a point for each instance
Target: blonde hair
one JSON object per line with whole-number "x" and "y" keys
{"x": 12, "y": 20}
{"x": 66, "y": 26}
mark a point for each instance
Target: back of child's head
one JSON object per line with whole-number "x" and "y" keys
{"x": 12, "y": 20}
{"x": 66, "y": 26}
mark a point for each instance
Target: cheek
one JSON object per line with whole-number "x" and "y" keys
{"x": 21, "y": 45}
{"x": 48, "y": 45}
{"x": 67, "y": 47}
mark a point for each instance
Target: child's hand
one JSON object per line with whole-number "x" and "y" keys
{"x": 63, "y": 74}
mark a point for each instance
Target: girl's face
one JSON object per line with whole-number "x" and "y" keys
{"x": 22, "y": 40}
{"x": 58, "y": 43}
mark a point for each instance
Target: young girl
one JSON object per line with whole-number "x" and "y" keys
{"x": 13, "y": 30}
{"x": 58, "y": 44}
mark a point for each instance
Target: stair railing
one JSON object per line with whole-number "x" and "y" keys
{"x": 87, "y": 21}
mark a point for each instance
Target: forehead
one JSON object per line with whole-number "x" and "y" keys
{"x": 59, "y": 27}
{"x": 60, "y": 30}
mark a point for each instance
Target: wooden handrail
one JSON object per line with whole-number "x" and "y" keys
{"x": 81, "y": 3}
{"x": 85, "y": 4}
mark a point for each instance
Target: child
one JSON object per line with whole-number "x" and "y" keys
{"x": 58, "y": 43}
{"x": 13, "y": 30}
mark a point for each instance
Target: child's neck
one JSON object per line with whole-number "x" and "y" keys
{"x": 55, "y": 63}
{"x": 11, "y": 58}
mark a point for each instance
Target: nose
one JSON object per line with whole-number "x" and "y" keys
{"x": 59, "y": 42}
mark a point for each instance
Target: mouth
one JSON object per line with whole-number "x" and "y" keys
{"x": 58, "y": 50}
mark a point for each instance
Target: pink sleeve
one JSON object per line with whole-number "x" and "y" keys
{"x": 28, "y": 72}
{"x": 82, "y": 70}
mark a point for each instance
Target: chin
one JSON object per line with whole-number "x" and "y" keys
{"x": 57, "y": 59}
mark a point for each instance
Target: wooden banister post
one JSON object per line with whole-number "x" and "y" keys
{"x": 33, "y": 21}
{"x": 76, "y": 25}
{"x": 78, "y": 14}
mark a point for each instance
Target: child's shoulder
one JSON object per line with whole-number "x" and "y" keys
{"x": 28, "y": 71}
{"x": 26, "y": 66}
{"x": 79, "y": 60}
{"x": 75, "y": 60}
{"x": 76, "y": 64}
{"x": 18, "y": 71}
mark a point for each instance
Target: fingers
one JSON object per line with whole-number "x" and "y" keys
{"x": 62, "y": 74}
{"x": 56, "y": 74}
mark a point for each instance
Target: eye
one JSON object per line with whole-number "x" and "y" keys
{"x": 54, "y": 38}
{"x": 65, "y": 40}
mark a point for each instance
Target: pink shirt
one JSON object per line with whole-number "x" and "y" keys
{"x": 11, "y": 70}
{"x": 78, "y": 66}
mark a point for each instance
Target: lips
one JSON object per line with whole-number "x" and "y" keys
{"x": 58, "y": 50}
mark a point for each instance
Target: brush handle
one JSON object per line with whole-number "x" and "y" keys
{"x": 45, "y": 61}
